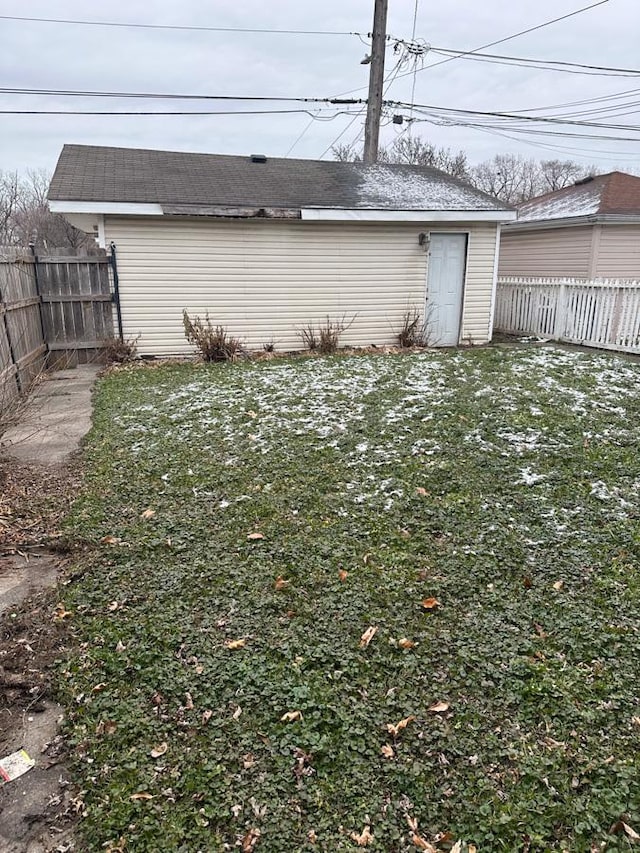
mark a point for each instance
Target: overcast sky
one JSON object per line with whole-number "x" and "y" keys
{"x": 43, "y": 55}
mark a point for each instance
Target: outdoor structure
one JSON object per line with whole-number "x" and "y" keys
{"x": 588, "y": 230}
{"x": 267, "y": 246}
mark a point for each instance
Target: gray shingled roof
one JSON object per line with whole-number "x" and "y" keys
{"x": 94, "y": 173}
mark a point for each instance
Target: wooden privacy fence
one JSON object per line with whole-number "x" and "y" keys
{"x": 55, "y": 308}
{"x": 602, "y": 313}
{"x": 22, "y": 344}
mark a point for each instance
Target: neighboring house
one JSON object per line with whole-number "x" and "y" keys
{"x": 588, "y": 230}
{"x": 267, "y": 245}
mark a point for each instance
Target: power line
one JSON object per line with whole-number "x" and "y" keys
{"x": 543, "y": 64}
{"x": 520, "y": 33}
{"x": 162, "y": 112}
{"x": 184, "y": 27}
{"x": 86, "y": 93}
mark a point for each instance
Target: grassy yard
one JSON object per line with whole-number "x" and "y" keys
{"x": 375, "y": 601}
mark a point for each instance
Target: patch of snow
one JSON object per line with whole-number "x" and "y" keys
{"x": 583, "y": 200}
{"x": 528, "y": 478}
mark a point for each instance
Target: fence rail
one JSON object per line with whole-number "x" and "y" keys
{"x": 603, "y": 313}
{"x": 56, "y": 307}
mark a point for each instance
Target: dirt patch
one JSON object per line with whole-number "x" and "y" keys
{"x": 37, "y": 811}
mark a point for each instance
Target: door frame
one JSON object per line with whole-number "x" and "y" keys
{"x": 467, "y": 233}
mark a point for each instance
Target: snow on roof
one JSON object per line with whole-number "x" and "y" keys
{"x": 384, "y": 186}
{"x": 582, "y": 200}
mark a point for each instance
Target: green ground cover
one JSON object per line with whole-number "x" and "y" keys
{"x": 221, "y": 695}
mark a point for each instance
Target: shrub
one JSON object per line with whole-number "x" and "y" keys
{"x": 214, "y": 343}
{"x": 412, "y": 332}
{"x": 115, "y": 351}
{"x": 325, "y": 338}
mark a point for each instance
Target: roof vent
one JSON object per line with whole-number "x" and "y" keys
{"x": 582, "y": 181}
{"x": 258, "y": 158}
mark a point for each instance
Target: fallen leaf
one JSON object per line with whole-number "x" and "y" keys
{"x": 368, "y": 635}
{"x": 631, "y": 833}
{"x": 419, "y": 842}
{"x": 255, "y": 535}
{"x": 252, "y": 414}
{"x": 248, "y": 761}
{"x": 421, "y": 491}
{"x": 404, "y": 643}
{"x": 159, "y": 750}
{"x": 206, "y": 716}
{"x": 199, "y": 669}
{"x": 147, "y": 514}
{"x": 457, "y": 847}
{"x": 439, "y": 707}
{"x": 394, "y": 730}
{"x": 106, "y": 727}
{"x": 143, "y": 795}
{"x": 250, "y": 840}
{"x": 291, "y": 716}
{"x": 236, "y": 644}
{"x": 98, "y": 687}
{"x": 312, "y": 836}
{"x": 111, "y": 540}
{"x": 387, "y": 751}
{"x": 120, "y": 647}
{"x": 430, "y": 603}
{"x": 281, "y": 583}
{"x": 236, "y": 714}
{"x": 61, "y": 613}
{"x": 342, "y": 575}
{"x": 113, "y": 606}
{"x": 527, "y": 582}
{"x": 365, "y": 838}
{"x": 635, "y": 721}
{"x": 558, "y": 585}
{"x": 366, "y": 558}
{"x": 472, "y": 848}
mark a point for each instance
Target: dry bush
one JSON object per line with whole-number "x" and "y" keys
{"x": 413, "y": 332}
{"x": 325, "y": 338}
{"x": 116, "y": 351}
{"x": 214, "y": 343}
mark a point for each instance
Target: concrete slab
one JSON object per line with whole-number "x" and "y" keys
{"x": 56, "y": 418}
{"x": 20, "y": 577}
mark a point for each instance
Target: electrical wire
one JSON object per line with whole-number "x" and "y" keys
{"x": 528, "y": 62}
{"x": 86, "y": 93}
{"x": 184, "y": 27}
{"x": 162, "y": 112}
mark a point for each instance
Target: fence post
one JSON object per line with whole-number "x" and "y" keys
{"x": 116, "y": 288}
{"x": 36, "y": 281}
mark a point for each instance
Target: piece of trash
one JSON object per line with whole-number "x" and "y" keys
{"x": 15, "y": 765}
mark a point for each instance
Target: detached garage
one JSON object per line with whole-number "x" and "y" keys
{"x": 267, "y": 246}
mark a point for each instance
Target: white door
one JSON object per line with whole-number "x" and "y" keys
{"x": 445, "y": 285}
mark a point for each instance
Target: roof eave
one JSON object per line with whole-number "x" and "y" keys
{"x": 573, "y": 221}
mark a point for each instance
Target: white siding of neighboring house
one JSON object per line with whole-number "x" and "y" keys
{"x": 554, "y": 252}
{"x": 265, "y": 279}
{"x": 618, "y": 252}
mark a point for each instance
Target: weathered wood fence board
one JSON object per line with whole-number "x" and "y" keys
{"x": 603, "y": 313}
{"x": 59, "y": 305}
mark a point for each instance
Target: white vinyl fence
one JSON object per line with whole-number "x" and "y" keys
{"x": 601, "y": 313}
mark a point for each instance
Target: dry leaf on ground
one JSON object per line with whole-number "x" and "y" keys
{"x": 439, "y": 707}
{"x": 430, "y": 603}
{"x": 255, "y": 535}
{"x": 368, "y": 635}
{"x": 237, "y": 713}
{"x": 387, "y": 751}
{"x": 421, "y": 491}
{"x": 398, "y": 727}
{"x": 365, "y": 838}
{"x": 143, "y": 795}
{"x": 159, "y": 750}
{"x": 236, "y": 644}
{"x": 206, "y": 716}
{"x": 421, "y": 843}
{"x": 405, "y": 643}
{"x": 281, "y": 583}
{"x": 147, "y": 514}
{"x": 111, "y": 540}
{"x": 291, "y": 716}
{"x": 558, "y": 585}
{"x": 250, "y": 840}
{"x": 188, "y": 701}
{"x": 342, "y": 575}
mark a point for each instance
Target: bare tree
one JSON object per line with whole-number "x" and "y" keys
{"x": 556, "y": 174}
{"x": 25, "y": 216}
{"x": 411, "y": 151}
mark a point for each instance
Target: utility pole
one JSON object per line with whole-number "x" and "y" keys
{"x": 376, "y": 82}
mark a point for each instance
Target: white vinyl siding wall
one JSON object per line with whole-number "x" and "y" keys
{"x": 618, "y": 254}
{"x": 265, "y": 279}
{"x": 549, "y": 252}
